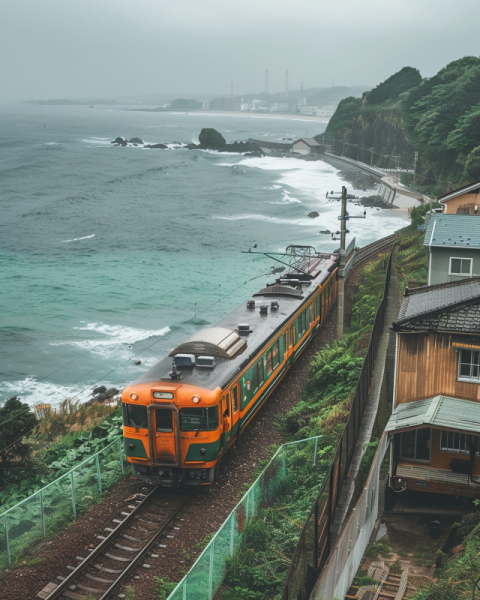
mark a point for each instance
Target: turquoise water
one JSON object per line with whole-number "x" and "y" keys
{"x": 111, "y": 255}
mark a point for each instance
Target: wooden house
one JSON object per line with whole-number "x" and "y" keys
{"x": 306, "y": 146}
{"x": 462, "y": 201}
{"x": 435, "y": 421}
{"x": 453, "y": 243}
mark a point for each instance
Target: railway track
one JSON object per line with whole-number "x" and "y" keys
{"x": 121, "y": 549}
{"x": 374, "y": 248}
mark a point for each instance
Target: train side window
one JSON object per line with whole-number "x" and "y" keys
{"x": 276, "y": 355}
{"x": 235, "y": 398}
{"x": 226, "y": 406}
{"x": 269, "y": 362}
{"x": 135, "y": 415}
{"x": 260, "y": 375}
{"x": 164, "y": 420}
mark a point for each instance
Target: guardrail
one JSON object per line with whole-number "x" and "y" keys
{"x": 360, "y": 165}
{"x": 46, "y": 512}
{"x": 313, "y": 549}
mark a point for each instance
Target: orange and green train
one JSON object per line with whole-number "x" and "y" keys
{"x": 182, "y": 415}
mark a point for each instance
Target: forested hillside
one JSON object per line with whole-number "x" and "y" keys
{"x": 439, "y": 117}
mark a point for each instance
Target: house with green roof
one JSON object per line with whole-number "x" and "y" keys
{"x": 435, "y": 421}
{"x": 453, "y": 242}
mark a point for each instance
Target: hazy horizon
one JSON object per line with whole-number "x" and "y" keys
{"x": 86, "y": 49}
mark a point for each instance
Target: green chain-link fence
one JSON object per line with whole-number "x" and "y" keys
{"x": 46, "y": 512}
{"x": 207, "y": 574}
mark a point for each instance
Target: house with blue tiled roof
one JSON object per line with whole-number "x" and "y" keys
{"x": 453, "y": 242}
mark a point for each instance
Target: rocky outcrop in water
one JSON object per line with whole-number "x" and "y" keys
{"x": 158, "y": 146}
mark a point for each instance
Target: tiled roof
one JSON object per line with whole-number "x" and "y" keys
{"x": 439, "y": 411}
{"x": 453, "y": 231}
{"x": 444, "y": 307}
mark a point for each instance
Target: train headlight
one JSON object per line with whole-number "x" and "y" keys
{"x": 134, "y": 396}
{"x": 195, "y": 399}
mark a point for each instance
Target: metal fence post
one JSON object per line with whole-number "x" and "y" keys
{"x": 120, "y": 455}
{"x": 315, "y": 452}
{"x": 232, "y": 532}
{"x": 5, "y": 524}
{"x": 43, "y": 514}
{"x": 73, "y": 496}
{"x": 97, "y": 462}
{"x": 210, "y": 574}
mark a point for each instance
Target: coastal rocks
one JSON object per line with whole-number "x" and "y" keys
{"x": 376, "y": 201}
{"x": 136, "y": 140}
{"x": 211, "y": 139}
{"x": 314, "y": 214}
{"x": 153, "y": 146}
{"x": 359, "y": 180}
{"x": 326, "y": 231}
{"x": 119, "y": 141}
{"x": 101, "y": 394}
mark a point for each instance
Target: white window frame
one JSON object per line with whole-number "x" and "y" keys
{"x": 450, "y": 272}
{"x": 464, "y": 377}
{"x": 451, "y": 450}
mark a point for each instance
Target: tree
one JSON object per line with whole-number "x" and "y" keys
{"x": 472, "y": 166}
{"x": 16, "y": 421}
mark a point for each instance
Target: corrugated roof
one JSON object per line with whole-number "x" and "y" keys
{"x": 443, "y": 301}
{"x": 453, "y": 231}
{"x": 465, "y": 189}
{"x": 439, "y": 411}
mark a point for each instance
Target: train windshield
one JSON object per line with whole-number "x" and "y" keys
{"x": 134, "y": 415}
{"x": 199, "y": 419}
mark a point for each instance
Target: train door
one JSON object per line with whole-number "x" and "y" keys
{"x": 290, "y": 340}
{"x": 165, "y": 440}
{"x": 227, "y": 420}
{"x": 235, "y": 409}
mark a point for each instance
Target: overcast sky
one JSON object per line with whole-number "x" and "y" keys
{"x": 85, "y": 48}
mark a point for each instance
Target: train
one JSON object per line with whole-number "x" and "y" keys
{"x": 183, "y": 414}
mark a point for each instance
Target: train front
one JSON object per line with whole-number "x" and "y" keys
{"x": 171, "y": 433}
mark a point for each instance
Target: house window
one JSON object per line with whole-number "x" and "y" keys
{"x": 458, "y": 443}
{"x": 468, "y": 365}
{"x": 460, "y": 266}
{"x": 416, "y": 445}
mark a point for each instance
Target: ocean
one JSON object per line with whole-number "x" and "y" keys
{"x": 112, "y": 255}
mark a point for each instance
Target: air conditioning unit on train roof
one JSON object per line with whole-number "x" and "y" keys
{"x": 184, "y": 360}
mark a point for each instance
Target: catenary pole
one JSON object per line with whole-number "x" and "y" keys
{"x": 341, "y": 269}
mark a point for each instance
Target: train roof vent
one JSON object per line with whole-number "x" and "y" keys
{"x": 216, "y": 341}
{"x": 244, "y": 329}
{"x": 206, "y": 362}
{"x": 279, "y": 290}
{"x": 184, "y": 360}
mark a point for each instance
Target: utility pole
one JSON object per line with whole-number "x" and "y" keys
{"x": 341, "y": 268}
{"x": 415, "y": 167}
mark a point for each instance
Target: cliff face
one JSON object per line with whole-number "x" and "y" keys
{"x": 437, "y": 117}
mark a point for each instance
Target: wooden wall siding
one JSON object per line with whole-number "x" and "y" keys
{"x": 427, "y": 365}
{"x": 454, "y": 204}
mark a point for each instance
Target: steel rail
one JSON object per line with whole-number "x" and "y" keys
{"x": 99, "y": 549}
{"x": 145, "y": 549}
{"x": 104, "y": 544}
